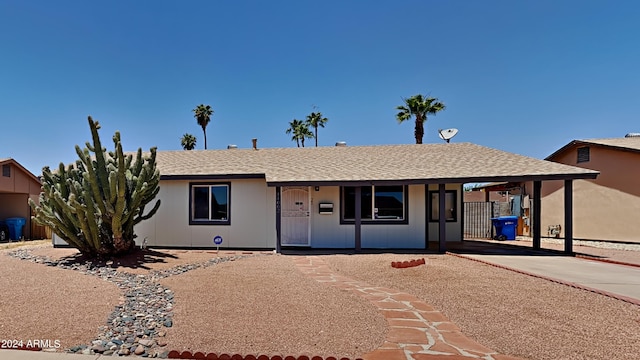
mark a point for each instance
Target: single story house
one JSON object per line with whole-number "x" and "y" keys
{"x": 607, "y": 207}
{"x": 17, "y": 185}
{"x": 342, "y": 197}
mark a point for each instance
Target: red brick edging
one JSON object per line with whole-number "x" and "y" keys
{"x": 406, "y": 264}
{"x": 25, "y": 348}
{"x": 558, "y": 281}
{"x": 213, "y": 356}
{"x": 616, "y": 262}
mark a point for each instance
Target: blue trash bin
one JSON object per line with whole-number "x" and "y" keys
{"x": 505, "y": 227}
{"x": 15, "y": 227}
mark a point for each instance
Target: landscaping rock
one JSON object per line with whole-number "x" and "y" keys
{"x": 98, "y": 349}
{"x": 146, "y": 342}
{"x": 139, "y": 350}
{"x": 144, "y": 306}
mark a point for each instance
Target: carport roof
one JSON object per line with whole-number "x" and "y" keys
{"x": 424, "y": 163}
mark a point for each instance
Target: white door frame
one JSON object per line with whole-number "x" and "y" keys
{"x": 284, "y": 226}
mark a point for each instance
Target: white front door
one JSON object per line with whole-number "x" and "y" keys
{"x": 295, "y": 216}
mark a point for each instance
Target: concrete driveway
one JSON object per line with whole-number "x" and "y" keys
{"x": 620, "y": 280}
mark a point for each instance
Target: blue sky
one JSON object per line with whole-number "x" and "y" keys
{"x": 521, "y": 76}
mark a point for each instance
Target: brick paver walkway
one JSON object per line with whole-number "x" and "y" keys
{"x": 417, "y": 331}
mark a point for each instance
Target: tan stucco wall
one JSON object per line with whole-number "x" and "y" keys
{"x": 18, "y": 182}
{"x": 481, "y": 196}
{"x": 607, "y": 208}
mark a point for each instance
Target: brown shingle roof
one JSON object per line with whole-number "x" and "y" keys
{"x": 622, "y": 143}
{"x": 459, "y": 162}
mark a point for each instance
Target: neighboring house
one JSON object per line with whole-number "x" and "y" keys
{"x": 486, "y": 193}
{"x": 606, "y": 208}
{"x": 343, "y": 197}
{"x": 486, "y": 201}
{"x": 17, "y": 185}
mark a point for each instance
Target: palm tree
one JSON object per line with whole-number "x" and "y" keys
{"x": 188, "y": 142}
{"x": 419, "y": 107}
{"x": 203, "y": 113}
{"x": 300, "y": 131}
{"x": 314, "y": 120}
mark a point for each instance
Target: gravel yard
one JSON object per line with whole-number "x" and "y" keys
{"x": 41, "y": 302}
{"x": 511, "y": 313}
{"x": 264, "y": 305}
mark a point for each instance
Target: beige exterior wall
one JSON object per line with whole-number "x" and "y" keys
{"x": 607, "y": 208}
{"x": 327, "y": 232}
{"x": 252, "y": 218}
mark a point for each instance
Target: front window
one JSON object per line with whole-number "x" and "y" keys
{"x": 210, "y": 204}
{"x": 6, "y": 170}
{"x": 450, "y": 206}
{"x": 377, "y": 203}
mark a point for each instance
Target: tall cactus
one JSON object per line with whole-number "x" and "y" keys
{"x": 95, "y": 203}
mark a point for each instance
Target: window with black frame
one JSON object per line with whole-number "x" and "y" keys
{"x": 450, "y": 206}
{"x": 377, "y": 203}
{"x": 209, "y": 204}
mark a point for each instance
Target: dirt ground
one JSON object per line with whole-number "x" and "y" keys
{"x": 263, "y": 304}
{"x": 42, "y": 302}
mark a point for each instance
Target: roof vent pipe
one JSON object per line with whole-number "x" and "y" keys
{"x": 255, "y": 143}
{"x": 341, "y": 143}
{"x": 232, "y": 146}
{"x": 629, "y": 135}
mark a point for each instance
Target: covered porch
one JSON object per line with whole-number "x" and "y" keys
{"x": 437, "y": 202}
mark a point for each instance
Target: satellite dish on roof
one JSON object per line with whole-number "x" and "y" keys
{"x": 447, "y": 134}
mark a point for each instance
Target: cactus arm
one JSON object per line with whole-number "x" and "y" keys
{"x": 99, "y": 152}
{"x": 116, "y": 223}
